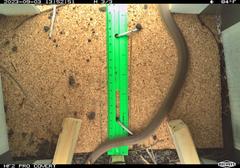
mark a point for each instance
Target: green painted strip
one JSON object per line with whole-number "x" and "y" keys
{"x": 117, "y": 63}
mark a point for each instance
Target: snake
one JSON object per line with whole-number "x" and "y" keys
{"x": 165, "y": 107}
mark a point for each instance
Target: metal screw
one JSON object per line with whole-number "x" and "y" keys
{"x": 123, "y": 126}
{"x": 136, "y": 29}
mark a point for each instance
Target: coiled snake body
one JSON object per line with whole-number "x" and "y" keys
{"x": 170, "y": 98}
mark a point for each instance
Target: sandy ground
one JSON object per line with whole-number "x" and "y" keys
{"x": 66, "y": 77}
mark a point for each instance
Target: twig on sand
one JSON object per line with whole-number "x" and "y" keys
{"x": 151, "y": 155}
{"x": 143, "y": 159}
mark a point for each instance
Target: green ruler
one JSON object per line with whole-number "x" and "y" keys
{"x": 117, "y": 65}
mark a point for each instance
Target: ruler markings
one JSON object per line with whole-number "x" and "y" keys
{"x": 117, "y": 74}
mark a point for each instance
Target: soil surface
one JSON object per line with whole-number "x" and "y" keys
{"x": 46, "y": 80}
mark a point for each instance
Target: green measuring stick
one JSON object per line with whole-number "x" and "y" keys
{"x": 117, "y": 65}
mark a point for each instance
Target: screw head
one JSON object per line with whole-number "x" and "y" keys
{"x": 139, "y": 26}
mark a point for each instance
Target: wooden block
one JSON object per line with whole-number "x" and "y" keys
{"x": 183, "y": 142}
{"x": 118, "y": 159}
{"x": 67, "y": 141}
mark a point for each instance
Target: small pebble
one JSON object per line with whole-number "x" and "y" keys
{"x": 89, "y": 40}
{"x": 154, "y": 137}
{"x": 71, "y": 81}
{"x": 145, "y": 7}
{"x": 87, "y": 60}
{"x": 75, "y": 114}
{"x": 91, "y": 115}
{"x": 46, "y": 28}
{"x": 54, "y": 40}
{"x": 14, "y": 49}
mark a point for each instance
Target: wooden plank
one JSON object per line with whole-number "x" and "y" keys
{"x": 4, "y": 146}
{"x": 67, "y": 141}
{"x": 183, "y": 142}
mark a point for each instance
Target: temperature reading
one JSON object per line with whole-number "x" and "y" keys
{"x": 228, "y": 1}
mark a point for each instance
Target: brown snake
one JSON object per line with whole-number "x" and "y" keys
{"x": 168, "y": 102}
